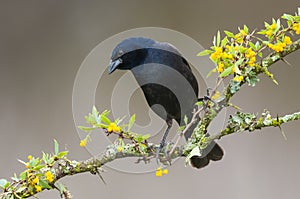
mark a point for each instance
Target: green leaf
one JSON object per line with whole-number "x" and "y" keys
{"x": 200, "y": 103}
{"x": 131, "y": 122}
{"x": 277, "y": 25}
{"x": 86, "y": 129}
{"x": 205, "y": 52}
{"x": 4, "y": 183}
{"x": 229, "y": 34}
{"x": 260, "y": 54}
{"x": 181, "y": 128}
{"x": 56, "y": 147}
{"x": 252, "y": 45}
{"x": 44, "y": 184}
{"x": 38, "y": 167}
{"x": 246, "y": 29}
{"x": 211, "y": 72}
{"x": 62, "y": 154}
{"x": 145, "y": 137}
{"x": 297, "y": 18}
{"x": 105, "y": 119}
{"x": 226, "y": 72}
{"x": 46, "y": 158}
{"x": 185, "y": 119}
{"x": 224, "y": 41}
{"x": 23, "y": 175}
{"x": 287, "y": 16}
{"x": 218, "y": 38}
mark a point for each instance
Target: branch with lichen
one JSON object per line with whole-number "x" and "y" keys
{"x": 238, "y": 58}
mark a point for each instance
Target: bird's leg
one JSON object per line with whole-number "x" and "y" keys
{"x": 205, "y": 99}
{"x": 163, "y": 141}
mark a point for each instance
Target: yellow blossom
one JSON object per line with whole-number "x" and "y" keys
{"x": 273, "y": 26}
{"x": 277, "y": 47}
{"x": 220, "y": 67}
{"x": 250, "y": 53}
{"x": 35, "y": 180}
{"x": 83, "y": 143}
{"x": 159, "y": 172}
{"x": 165, "y": 171}
{"x": 120, "y": 149}
{"x": 269, "y": 33}
{"x": 252, "y": 61}
{"x": 29, "y": 157}
{"x": 113, "y": 128}
{"x": 287, "y": 40}
{"x": 238, "y": 78}
{"x": 216, "y": 95}
{"x": 27, "y": 165}
{"x": 49, "y": 176}
{"x": 233, "y": 69}
{"x": 38, "y": 188}
{"x": 296, "y": 28}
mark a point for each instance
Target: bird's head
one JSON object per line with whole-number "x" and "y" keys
{"x": 129, "y": 53}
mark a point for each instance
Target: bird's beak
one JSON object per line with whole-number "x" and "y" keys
{"x": 113, "y": 65}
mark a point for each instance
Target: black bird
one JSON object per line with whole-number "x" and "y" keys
{"x": 166, "y": 79}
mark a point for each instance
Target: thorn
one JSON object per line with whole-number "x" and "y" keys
{"x": 100, "y": 176}
{"x": 285, "y": 61}
{"x": 283, "y": 133}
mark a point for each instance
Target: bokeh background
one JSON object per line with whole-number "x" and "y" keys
{"x": 43, "y": 43}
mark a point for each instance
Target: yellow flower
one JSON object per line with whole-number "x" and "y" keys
{"x": 277, "y": 47}
{"x": 113, "y": 128}
{"x": 238, "y": 78}
{"x": 220, "y": 67}
{"x": 296, "y": 28}
{"x": 250, "y": 53}
{"x": 27, "y": 165}
{"x": 29, "y": 157}
{"x": 252, "y": 61}
{"x": 165, "y": 171}
{"x": 49, "y": 176}
{"x": 159, "y": 172}
{"x": 233, "y": 69}
{"x": 269, "y": 33}
{"x": 273, "y": 26}
{"x": 38, "y": 188}
{"x": 35, "y": 180}
{"x": 239, "y": 37}
{"x": 216, "y": 95}
{"x": 120, "y": 149}
{"x": 83, "y": 143}
{"x": 287, "y": 40}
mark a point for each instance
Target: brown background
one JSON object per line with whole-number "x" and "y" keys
{"x": 42, "y": 44}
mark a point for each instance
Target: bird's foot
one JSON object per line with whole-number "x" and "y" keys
{"x": 166, "y": 159}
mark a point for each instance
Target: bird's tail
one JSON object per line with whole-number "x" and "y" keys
{"x": 211, "y": 153}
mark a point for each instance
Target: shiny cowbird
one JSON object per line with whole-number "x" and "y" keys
{"x": 168, "y": 84}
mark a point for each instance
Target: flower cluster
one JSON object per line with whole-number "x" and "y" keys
{"x": 271, "y": 29}
{"x": 112, "y": 127}
{"x": 159, "y": 172}
{"x": 279, "y": 46}
{"x": 296, "y": 28}
{"x": 49, "y": 176}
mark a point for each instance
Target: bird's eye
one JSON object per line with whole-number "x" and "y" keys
{"x": 120, "y": 53}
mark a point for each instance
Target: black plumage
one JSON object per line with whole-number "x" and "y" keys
{"x": 165, "y": 78}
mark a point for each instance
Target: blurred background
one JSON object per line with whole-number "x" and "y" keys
{"x": 42, "y": 45}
